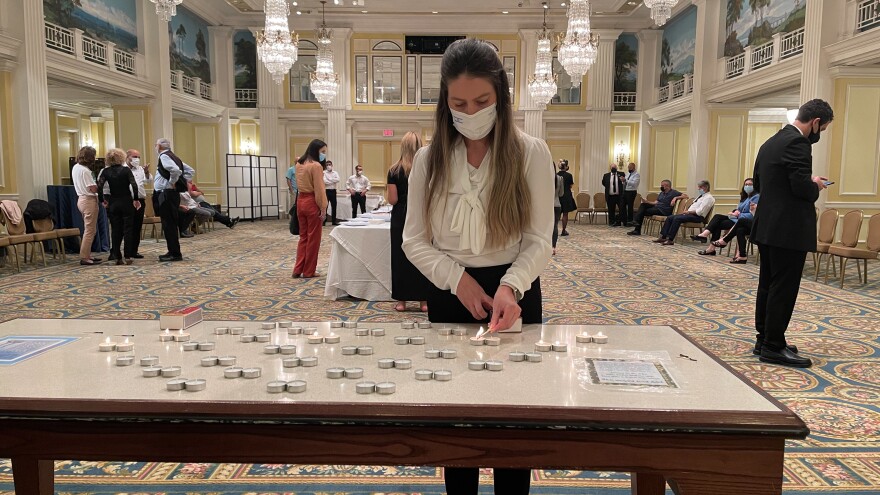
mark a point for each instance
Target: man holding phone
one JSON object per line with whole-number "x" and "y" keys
{"x": 784, "y": 227}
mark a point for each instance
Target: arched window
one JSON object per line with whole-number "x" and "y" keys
{"x": 387, "y": 46}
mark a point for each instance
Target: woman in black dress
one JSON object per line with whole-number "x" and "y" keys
{"x": 121, "y": 204}
{"x": 567, "y": 200}
{"x": 407, "y": 282}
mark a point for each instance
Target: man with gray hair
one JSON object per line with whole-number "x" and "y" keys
{"x": 166, "y": 196}
{"x": 696, "y": 213}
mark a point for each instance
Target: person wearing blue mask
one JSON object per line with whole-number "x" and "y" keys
{"x": 725, "y": 222}
{"x": 696, "y": 213}
{"x": 311, "y": 208}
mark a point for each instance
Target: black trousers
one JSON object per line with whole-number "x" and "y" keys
{"x": 645, "y": 210}
{"x": 166, "y": 204}
{"x": 120, "y": 212}
{"x": 778, "y": 284}
{"x": 557, "y": 212}
{"x": 626, "y": 206}
{"x": 215, "y": 214}
{"x": 185, "y": 219}
{"x": 358, "y": 199}
{"x": 741, "y": 229}
{"x": 331, "y": 199}
{"x": 137, "y": 226}
{"x": 444, "y": 307}
{"x": 613, "y": 203}
{"x": 718, "y": 223}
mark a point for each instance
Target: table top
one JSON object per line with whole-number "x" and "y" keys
{"x": 78, "y": 379}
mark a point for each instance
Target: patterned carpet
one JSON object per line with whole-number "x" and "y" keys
{"x": 600, "y": 276}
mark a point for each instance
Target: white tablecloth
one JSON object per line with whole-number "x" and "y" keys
{"x": 343, "y": 205}
{"x": 360, "y": 262}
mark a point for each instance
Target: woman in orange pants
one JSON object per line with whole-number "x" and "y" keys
{"x": 311, "y": 207}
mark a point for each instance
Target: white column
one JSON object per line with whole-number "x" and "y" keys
{"x": 601, "y": 90}
{"x": 533, "y": 113}
{"x": 269, "y": 101}
{"x": 31, "y": 105}
{"x": 649, "y": 62}
{"x": 220, "y": 38}
{"x": 158, "y": 59}
{"x": 705, "y": 57}
{"x": 338, "y": 137}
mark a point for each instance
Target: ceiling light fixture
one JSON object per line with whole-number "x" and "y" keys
{"x": 578, "y": 46}
{"x": 166, "y": 9}
{"x": 661, "y": 10}
{"x": 276, "y": 45}
{"x": 542, "y": 84}
{"x": 324, "y": 82}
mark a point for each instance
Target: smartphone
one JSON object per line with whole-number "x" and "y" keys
{"x": 828, "y": 183}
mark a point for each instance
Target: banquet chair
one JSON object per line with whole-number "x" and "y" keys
{"x": 825, "y": 237}
{"x": 849, "y": 238}
{"x": 17, "y": 237}
{"x": 582, "y": 201}
{"x": 599, "y": 206}
{"x": 869, "y": 252}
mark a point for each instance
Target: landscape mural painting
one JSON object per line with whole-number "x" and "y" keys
{"x": 244, "y": 58}
{"x": 679, "y": 43}
{"x": 106, "y": 20}
{"x": 754, "y": 22}
{"x": 190, "y": 48}
{"x": 626, "y": 61}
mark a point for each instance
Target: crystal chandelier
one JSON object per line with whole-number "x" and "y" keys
{"x": 166, "y": 9}
{"x": 324, "y": 81}
{"x": 542, "y": 84}
{"x": 276, "y": 45}
{"x": 578, "y": 47}
{"x": 661, "y": 10}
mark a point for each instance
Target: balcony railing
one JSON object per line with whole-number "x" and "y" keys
{"x": 792, "y": 44}
{"x": 664, "y": 94}
{"x": 868, "y": 15}
{"x": 624, "y": 101}
{"x": 735, "y": 66}
{"x": 74, "y": 42}
{"x": 676, "y": 89}
{"x": 781, "y": 47}
{"x": 245, "y": 97}
{"x": 762, "y": 55}
{"x": 189, "y": 85}
{"x": 204, "y": 90}
{"x": 175, "y": 80}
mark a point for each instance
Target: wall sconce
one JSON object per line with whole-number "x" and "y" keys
{"x": 248, "y": 147}
{"x": 89, "y": 142}
{"x": 622, "y": 154}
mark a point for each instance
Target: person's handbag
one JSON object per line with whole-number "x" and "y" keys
{"x": 294, "y": 221}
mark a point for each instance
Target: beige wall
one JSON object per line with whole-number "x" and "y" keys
{"x": 198, "y": 144}
{"x": 670, "y": 156}
{"x": 628, "y": 133}
{"x": 7, "y": 137}
{"x": 729, "y": 143}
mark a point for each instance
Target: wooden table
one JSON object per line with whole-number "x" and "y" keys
{"x": 716, "y": 434}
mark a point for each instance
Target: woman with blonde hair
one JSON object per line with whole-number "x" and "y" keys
{"x": 481, "y": 214}
{"x": 121, "y": 205}
{"x": 407, "y": 282}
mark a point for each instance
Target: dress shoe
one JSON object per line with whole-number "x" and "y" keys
{"x": 759, "y": 345}
{"x": 335, "y": 223}
{"x": 138, "y": 256}
{"x": 170, "y": 258}
{"x": 96, "y": 259}
{"x": 89, "y": 262}
{"x": 659, "y": 240}
{"x": 119, "y": 262}
{"x": 128, "y": 261}
{"x": 699, "y": 238}
{"x": 739, "y": 261}
{"x": 634, "y": 232}
{"x": 297, "y": 275}
{"x": 784, "y": 357}
{"x": 186, "y": 234}
{"x": 668, "y": 242}
{"x": 707, "y": 253}
{"x": 564, "y": 232}
{"x": 233, "y": 222}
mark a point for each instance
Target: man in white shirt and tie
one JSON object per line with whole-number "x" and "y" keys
{"x": 358, "y": 186}
{"x": 331, "y": 181}
{"x": 696, "y": 213}
{"x": 629, "y": 195}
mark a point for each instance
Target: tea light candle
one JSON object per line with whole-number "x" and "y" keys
{"x": 176, "y": 384}
{"x": 444, "y": 332}
{"x": 247, "y": 337}
{"x": 210, "y": 361}
{"x": 276, "y": 387}
{"x": 365, "y": 388}
{"x": 271, "y": 349}
{"x": 263, "y": 337}
{"x": 226, "y": 360}
{"x": 443, "y": 375}
{"x": 336, "y": 324}
{"x": 315, "y": 339}
{"x": 583, "y": 338}
{"x": 401, "y": 340}
{"x": 151, "y": 371}
{"x": 423, "y": 375}
{"x": 418, "y": 340}
{"x": 449, "y": 354}
{"x": 236, "y": 330}
{"x": 207, "y": 346}
{"x": 494, "y": 365}
{"x": 308, "y": 362}
{"x": 291, "y": 362}
{"x": 407, "y": 325}
{"x": 459, "y": 331}
{"x": 251, "y": 372}
{"x": 432, "y": 353}
{"x": 169, "y": 371}
{"x": 424, "y": 325}
{"x": 335, "y": 373}
{"x": 124, "y": 360}
{"x": 386, "y": 388}
{"x": 233, "y": 372}
{"x": 476, "y": 365}
{"x": 534, "y": 357}
{"x": 354, "y": 373}
{"x": 287, "y": 349}
{"x": 107, "y": 345}
{"x": 166, "y": 336}
{"x": 493, "y": 341}
{"x": 403, "y": 364}
{"x": 332, "y": 339}
{"x": 221, "y": 330}
{"x": 560, "y": 347}
{"x": 190, "y": 346}
{"x": 267, "y": 326}
{"x": 350, "y": 324}
{"x": 361, "y": 332}
{"x": 294, "y": 331}
{"x": 285, "y": 324}
{"x": 377, "y": 332}
{"x": 196, "y": 385}
{"x": 386, "y": 363}
{"x": 125, "y": 346}
{"x": 365, "y": 350}
{"x": 517, "y": 356}
{"x": 149, "y": 360}
{"x": 542, "y": 346}
{"x": 349, "y": 350}
{"x": 181, "y": 336}
{"x": 478, "y": 341}
{"x": 296, "y": 386}
{"x": 600, "y": 338}
{"x": 310, "y": 330}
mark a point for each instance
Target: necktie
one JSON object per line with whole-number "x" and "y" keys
{"x": 613, "y": 178}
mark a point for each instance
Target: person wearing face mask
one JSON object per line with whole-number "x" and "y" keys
{"x": 141, "y": 176}
{"x": 87, "y": 202}
{"x": 311, "y": 208}
{"x": 696, "y": 213}
{"x": 613, "y": 182}
{"x": 479, "y": 220}
{"x": 720, "y": 222}
{"x": 784, "y": 227}
{"x": 662, "y": 206}
{"x": 331, "y": 181}
{"x": 630, "y": 191}
{"x": 566, "y": 201}
{"x": 358, "y": 186}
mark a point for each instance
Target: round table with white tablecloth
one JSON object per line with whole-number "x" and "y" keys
{"x": 360, "y": 261}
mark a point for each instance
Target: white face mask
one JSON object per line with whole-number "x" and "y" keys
{"x": 476, "y": 126}
{"x": 135, "y": 162}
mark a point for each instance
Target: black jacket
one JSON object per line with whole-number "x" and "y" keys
{"x": 786, "y": 217}
{"x": 122, "y": 183}
{"x": 621, "y": 182}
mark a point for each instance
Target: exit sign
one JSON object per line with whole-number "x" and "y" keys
{"x": 388, "y": 132}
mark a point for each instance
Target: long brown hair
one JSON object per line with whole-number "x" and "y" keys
{"x": 509, "y": 199}
{"x": 409, "y": 145}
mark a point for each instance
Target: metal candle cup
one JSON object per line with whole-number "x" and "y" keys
{"x": 542, "y": 346}
{"x": 494, "y": 365}
{"x": 176, "y": 384}
{"x": 196, "y": 385}
{"x": 296, "y": 386}
{"x": 149, "y": 360}
{"x": 386, "y": 388}
{"x": 287, "y": 349}
{"x": 233, "y": 372}
{"x": 354, "y": 373}
{"x": 226, "y": 360}
{"x": 291, "y": 362}
{"x": 386, "y": 364}
{"x": 365, "y": 388}
{"x": 190, "y": 346}
{"x": 276, "y": 387}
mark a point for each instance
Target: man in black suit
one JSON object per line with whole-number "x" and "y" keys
{"x": 614, "y": 183}
{"x": 784, "y": 227}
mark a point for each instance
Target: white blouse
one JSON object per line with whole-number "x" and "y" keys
{"x": 459, "y": 229}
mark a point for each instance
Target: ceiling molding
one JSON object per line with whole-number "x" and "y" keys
{"x": 772, "y": 79}
{"x": 677, "y": 108}
{"x": 862, "y": 49}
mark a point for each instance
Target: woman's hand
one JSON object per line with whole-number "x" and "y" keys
{"x": 735, "y": 213}
{"x": 473, "y": 297}
{"x": 505, "y": 309}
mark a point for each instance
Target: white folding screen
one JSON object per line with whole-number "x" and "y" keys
{"x": 252, "y": 186}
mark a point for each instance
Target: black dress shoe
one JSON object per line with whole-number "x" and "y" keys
{"x": 138, "y": 256}
{"x": 759, "y": 345}
{"x": 707, "y": 253}
{"x": 699, "y": 238}
{"x": 634, "y": 232}
{"x": 564, "y": 232}
{"x": 187, "y": 234}
{"x": 170, "y": 258}
{"x": 785, "y": 358}
{"x": 659, "y": 240}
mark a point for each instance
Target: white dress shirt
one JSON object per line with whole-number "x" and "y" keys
{"x": 140, "y": 177}
{"x": 165, "y": 161}
{"x": 632, "y": 181}
{"x": 459, "y": 228}
{"x": 82, "y": 179}
{"x": 358, "y": 184}
{"x": 702, "y": 205}
{"x": 331, "y": 179}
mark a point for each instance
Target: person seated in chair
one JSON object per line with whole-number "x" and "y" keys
{"x": 696, "y": 213}
{"x": 190, "y": 210}
{"x": 199, "y": 198}
{"x": 719, "y": 222}
{"x": 741, "y": 230}
{"x": 663, "y": 206}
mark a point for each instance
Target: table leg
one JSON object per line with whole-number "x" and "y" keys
{"x": 695, "y": 484}
{"x": 648, "y": 484}
{"x": 33, "y": 476}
